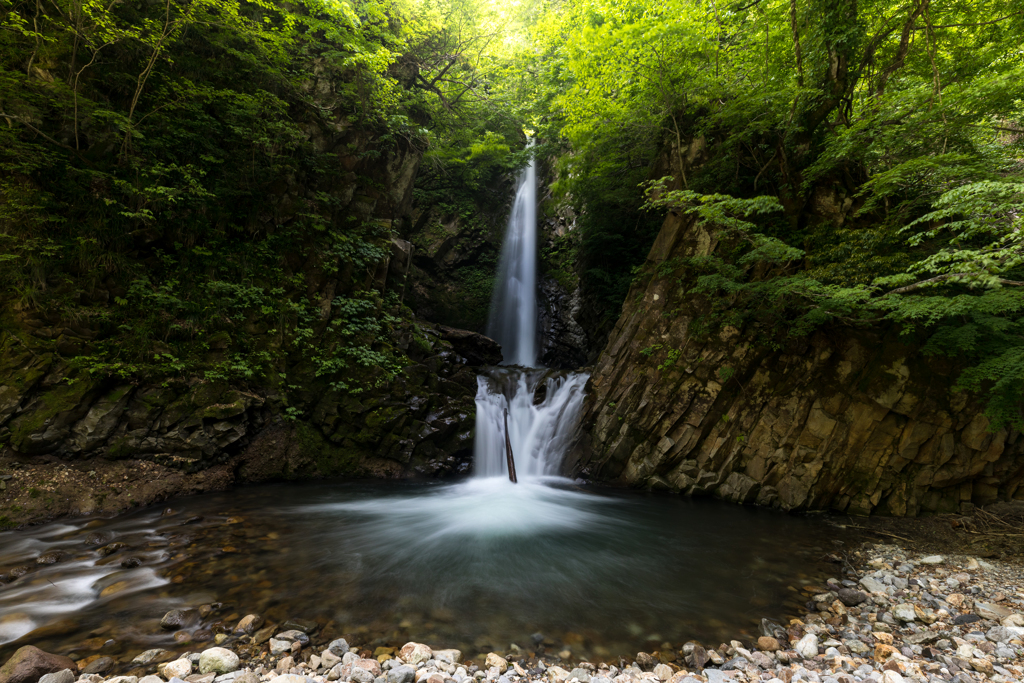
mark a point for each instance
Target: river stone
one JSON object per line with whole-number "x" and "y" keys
{"x": 1004, "y": 634}
{"x": 149, "y": 656}
{"x": 65, "y": 676}
{"x": 148, "y": 679}
{"x": 851, "y": 597}
{"x": 498, "y": 661}
{"x": 123, "y": 679}
{"x": 290, "y": 678}
{"x": 645, "y": 661}
{"x": 414, "y": 653}
{"x": 556, "y": 674}
{"x": 807, "y": 647}
{"x": 890, "y": 676}
{"x": 177, "y": 619}
{"x": 361, "y": 675}
{"x": 904, "y": 612}
{"x": 448, "y": 656}
{"x": 402, "y": 674}
{"x": 699, "y": 657}
{"x": 247, "y": 677}
{"x": 582, "y": 674}
{"x": 218, "y": 660}
{"x": 279, "y": 647}
{"x": 293, "y": 636}
{"x": 99, "y": 666}
{"x": 182, "y": 668}
{"x": 768, "y": 644}
{"x": 932, "y": 559}
{"x": 716, "y": 676}
{"x": 988, "y": 610}
{"x": 249, "y": 624}
{"x": 338, "y": 647}
{"x": 329, "y": 660}
{"x": 872, "y": 585}
{"x": 29, "y": 664}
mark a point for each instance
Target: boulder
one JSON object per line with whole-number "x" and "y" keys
{"x": 475, "y": 347}
{"x": 28, "y": 664}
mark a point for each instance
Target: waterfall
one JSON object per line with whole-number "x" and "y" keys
{"x": 539, "y": 406}
{"x": 543, "y": 407}
{"x": 513, "y": 318}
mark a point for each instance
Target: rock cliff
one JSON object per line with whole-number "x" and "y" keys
{"x": 851, "y": 421}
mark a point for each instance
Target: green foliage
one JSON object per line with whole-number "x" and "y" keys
{"x": 850, "y": 162}
{"x": 160, "y": 186}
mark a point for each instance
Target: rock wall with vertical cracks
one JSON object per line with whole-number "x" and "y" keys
{"x": 851, "y": 421}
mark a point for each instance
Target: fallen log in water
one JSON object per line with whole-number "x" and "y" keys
{"x": 508, "y": 454}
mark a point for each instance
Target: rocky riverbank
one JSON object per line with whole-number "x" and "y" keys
{"x": 890, "y": 616}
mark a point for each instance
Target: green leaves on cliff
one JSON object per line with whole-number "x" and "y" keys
{"x": 180, "y": 181}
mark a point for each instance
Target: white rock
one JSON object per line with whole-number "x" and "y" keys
{"x": 123, "y": 679}
{"x": 448, "y": 656}
{"x": 279, "y": 647}
{"x": 218, "y": 660}
{"x": 904, "y": 612}
{"x": 151, "y": 679}
{"x": 807, "y": 647}
{"x": 182, "y": 668}
{"x": 289, "y": 678}
{"x": 62, "y": 676}
{"x": 414, "y": 653}
{"x": 891, "y": 677}
{"x": 556, "y": 674}
{"x": 1015, "y": 620}
{"x": 349, "y": 658}
{"x": 932, "y": 559}
{"x": 496, "y": 661}
{"x": 328, "y": 659}
{"x": 663, "y": 672}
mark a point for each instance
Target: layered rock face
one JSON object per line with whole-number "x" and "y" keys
{"x": 191, "y": 436}
{"x": 856, "y": 422}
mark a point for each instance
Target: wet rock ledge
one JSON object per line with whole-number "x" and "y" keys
{"x": 891, "y": 617}
{"x": 94, "y": 446}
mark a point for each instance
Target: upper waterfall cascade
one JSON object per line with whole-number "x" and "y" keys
{"x": 535, "y": 408}
{"x": 513, "y": 317}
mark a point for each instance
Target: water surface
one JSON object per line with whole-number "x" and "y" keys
{"x": 477, "y": 565}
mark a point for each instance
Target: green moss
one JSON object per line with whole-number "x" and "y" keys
{"x": 119, "y": 449}
{"x": 330, "y": 460}
{"x": 6, "y": 522}
{"x": 60, "y": 399}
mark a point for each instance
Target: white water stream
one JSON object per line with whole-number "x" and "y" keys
{"x": 542, "y": 407}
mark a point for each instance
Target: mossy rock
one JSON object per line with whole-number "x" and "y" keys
{"x": 328, "y": 459}
{"x": 50, "y": 405}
